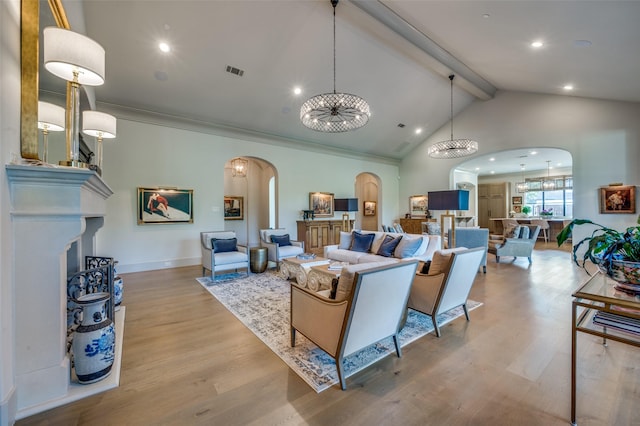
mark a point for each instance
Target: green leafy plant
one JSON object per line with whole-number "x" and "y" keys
{"x": 526, "y": 209}
{"x": 604, "y": 245}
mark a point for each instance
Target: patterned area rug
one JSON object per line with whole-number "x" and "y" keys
{"x": 261, "y": 302}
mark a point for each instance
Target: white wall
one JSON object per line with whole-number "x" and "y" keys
{"x": 603, "y": 138}
{"x": 9, "y": 144}
{"x": 149, "y": 155}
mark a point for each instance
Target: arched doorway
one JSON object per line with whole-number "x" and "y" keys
{"x": 367, "y": 189}
{"x": 258, "y": 187}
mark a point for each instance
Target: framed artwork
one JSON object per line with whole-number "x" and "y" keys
{"x": 517, "y": 209}
{"x": 516, "y": 200}
{"x": 321, "y": 203}
{"x": 618, "y": 199}
{"x": 369, "y": 208}
{"x": 418, "y": 205}
{"x": 233, "y": 207}
{"x": 165, "y": 205}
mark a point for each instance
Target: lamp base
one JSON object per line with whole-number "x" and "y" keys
{"x": 76, "y": 164}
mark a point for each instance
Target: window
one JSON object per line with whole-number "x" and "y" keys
{"x": 560, "y": 200}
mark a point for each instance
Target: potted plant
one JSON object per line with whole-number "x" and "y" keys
{"x": 546, "y": 212}
{"x": 526, "y": 210}
{"x": 616, "y": 253}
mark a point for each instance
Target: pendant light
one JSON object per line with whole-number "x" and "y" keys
{"x": 522, "y": 186}
{"x": 549, "y": 184}
{"x": 335, "y": 112}
{"x": 453, "y": 148}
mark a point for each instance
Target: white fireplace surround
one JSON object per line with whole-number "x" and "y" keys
{"x": 52, "y": 209}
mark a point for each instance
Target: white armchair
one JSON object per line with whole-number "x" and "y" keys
{"x": 279, "y": 250}
{"x": 448, "y": 283}
{"x": 228, "y": 256}
{"x": 373, "y": 310}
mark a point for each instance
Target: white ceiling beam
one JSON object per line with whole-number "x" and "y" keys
{"x": 466, "y": 78}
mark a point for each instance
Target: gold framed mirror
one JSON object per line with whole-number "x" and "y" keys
{"x": 29, "y": 56}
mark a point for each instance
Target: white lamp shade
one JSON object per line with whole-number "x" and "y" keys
{"x": 50, "y": 117}
{"x": 66, "y": 52}
{"x": 98, "y": 124}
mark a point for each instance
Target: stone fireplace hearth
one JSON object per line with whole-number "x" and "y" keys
{"x": 55, "y": 214}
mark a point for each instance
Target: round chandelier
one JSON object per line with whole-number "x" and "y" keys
{"x": 335, "y": 112}
{"x": 452, "y": 148}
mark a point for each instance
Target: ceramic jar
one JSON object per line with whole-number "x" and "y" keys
{"x": 94, "y": 340}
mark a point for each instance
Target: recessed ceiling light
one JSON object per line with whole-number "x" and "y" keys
{"x": 418, "y": 131}
{"x": 559, "y": 164}
{"x": 533, "y": 152}
{"x": 493, "y": 172}
{"x": 477, "y": 168}
{"x": 492, "y": 159}
{"x": 582, "y": 43}
{"x": 164, "y": 47}
{"x": 297, "y": 90}
{"x": 537, "y": 44}
{"x": 568, "y": 87}
{"x": 485, "y": 15}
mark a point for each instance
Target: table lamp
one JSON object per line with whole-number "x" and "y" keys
{"x": 345, "y": 205}
{"x": 79, "y": 60}
{"x": 50, "y": 119}
{"x": 452, "y": 200}
{"x": 99, "y": 125}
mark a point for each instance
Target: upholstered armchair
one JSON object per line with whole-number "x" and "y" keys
{"x": 447, "y": 283}
{"x": 221, "y": 252}
{"x": 518, "y": 241}
{"x": 373, "y": 309}
{"x": 471, "y": 238}
{"x": 279, "y": 245}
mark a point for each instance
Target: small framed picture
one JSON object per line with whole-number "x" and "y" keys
{"x": 418, "y": 205}
{"x": 618, "y": 199}
{"x": 321, "y": 203}
{"x": 165, "y": 205}
{"x": 233, "y": 207}
{"x": 516, "y": 201}
{"x": 369, "y": 208}
{"x": 517, "y": 209}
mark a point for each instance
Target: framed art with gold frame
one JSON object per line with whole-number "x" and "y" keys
{"x": 321, "y": 203}
{"x": 618, "y": 199}
{"x": 418, "y": 206}
{"x": 233, "y": 207}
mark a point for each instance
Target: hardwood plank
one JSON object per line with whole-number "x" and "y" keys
{"x": 187, "y": 360}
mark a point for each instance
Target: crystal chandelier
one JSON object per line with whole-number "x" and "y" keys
{"x": 239, "y": 167}
{"x": 548, "y": 184}
{"x": 522, "y": 186}
{"x": 335, "y": 112}
{"x": 453, "y": 148}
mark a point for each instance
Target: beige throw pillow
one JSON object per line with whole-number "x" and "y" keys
{"x": 441, "y": 260}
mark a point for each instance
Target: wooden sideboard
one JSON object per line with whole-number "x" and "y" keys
{"x": 414, "y": 226}
{"x": 319, "y": 233}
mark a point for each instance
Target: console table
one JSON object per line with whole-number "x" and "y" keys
{"x": 319, "y": 233}
{"x": 599, "y": 295}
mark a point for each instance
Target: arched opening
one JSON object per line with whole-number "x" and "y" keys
{"x": 522, "y": 183}
{"x": 258, "y": 188}
{"x": 367, "y": 190}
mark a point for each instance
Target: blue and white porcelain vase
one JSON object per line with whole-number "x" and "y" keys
{"x": 117, "y": 291}
{"x": 94, "y": 340}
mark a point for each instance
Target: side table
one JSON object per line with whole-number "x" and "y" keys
{"x": 258, "y": 259}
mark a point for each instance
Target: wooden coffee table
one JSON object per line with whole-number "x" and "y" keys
{"x": 293, "y": 267}
{"x": 320, "y": 277}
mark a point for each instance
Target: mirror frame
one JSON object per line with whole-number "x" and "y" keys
{"x": 29, "y": 64}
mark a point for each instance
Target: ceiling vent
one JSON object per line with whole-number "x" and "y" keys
{"x": 235, "y": 71}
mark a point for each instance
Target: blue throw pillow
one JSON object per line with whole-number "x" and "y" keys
{"x": 282, "y": 240}
{"x": 222, "y": 245}
{"x": 388, "y": 245}
{"x": 408, "y": 247}
{"x": 361, "y": 242}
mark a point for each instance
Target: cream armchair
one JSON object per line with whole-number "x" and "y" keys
{"x": 448, "y": 283}
{"x": 373, "y": 310}
{"x": 230, "y": 256}
{"x": 279, "y": 250}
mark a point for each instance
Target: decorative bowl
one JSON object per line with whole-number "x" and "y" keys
{"x": 626, "y": 274}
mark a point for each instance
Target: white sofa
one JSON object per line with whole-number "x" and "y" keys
{"x": 424, "y": 252}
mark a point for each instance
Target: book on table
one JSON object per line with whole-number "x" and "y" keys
{"x": 619, "y": 322}
{"x": 337, "y": 266}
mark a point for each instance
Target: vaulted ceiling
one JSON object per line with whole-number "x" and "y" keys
{"x": 395, "y": 54}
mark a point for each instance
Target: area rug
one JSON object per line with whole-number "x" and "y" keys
{"x": 261, "y": 302}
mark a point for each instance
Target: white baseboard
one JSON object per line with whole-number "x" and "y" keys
{"x": 8, "y": 408}
{"x": 152, "y": 266}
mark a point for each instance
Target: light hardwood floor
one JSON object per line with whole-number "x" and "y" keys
{"x": 187, "y": 360}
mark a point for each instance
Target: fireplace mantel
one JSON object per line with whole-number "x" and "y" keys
{"x": 52, "y": 209}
